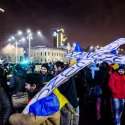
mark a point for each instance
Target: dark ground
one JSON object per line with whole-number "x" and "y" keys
{"x": 88, "y": 117}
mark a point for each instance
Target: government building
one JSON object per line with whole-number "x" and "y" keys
{"x": 43, "y": 54}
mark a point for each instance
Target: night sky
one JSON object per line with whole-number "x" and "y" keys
{"x": 91, "y": 22}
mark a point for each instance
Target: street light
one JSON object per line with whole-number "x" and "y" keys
{"x": 29, "y": 37}
{"x": 15, "y": 40}
{"x": 91, "y": 47}
{"x": 28, "y": 31}
{"x": 39, "y": 33}
{"x": 19, "y": 33}
{"x": 2, "y": 10}
{"x": 12, "y": 38}
{"x": 23, "y": 39}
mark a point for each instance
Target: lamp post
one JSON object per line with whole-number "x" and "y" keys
{"x": 16, "y": 41}
{"x": 12, "y": 39}
{"x": 16, "y": 53}
{"x": 29, "y": 37}
{"x": 24, "y": 35}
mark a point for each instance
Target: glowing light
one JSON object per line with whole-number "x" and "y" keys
{"x": 23, "y": 39}
{"x": 9, "y": 40}
{"x": 91, "y": 47}
{"x": 12, "y": 37}
{"x": 97, "y": 46}
{"x": 39, "y": 33}
{"x": 19, "y": 32}
{"x": 28, "y": 31}
{"x": 25, "y": 62}
{"x": 2, "y": 10}
{"x": 55, "y": 34}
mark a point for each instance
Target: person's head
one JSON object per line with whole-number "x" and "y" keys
{"x": 30, "y": 87}
{"x": 44, "y": 68}
{"x": 59, "y": 66}
{"x": 18, "y": 67}
{"x": 121, "y": 70}
{"x": 33, "y": 82}
{"x": 104, "y": 65}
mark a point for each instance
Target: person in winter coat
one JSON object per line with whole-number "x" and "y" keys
{"x": 68, "y": 89}
{"x": 3, "y": 81}
{"x": 117, "y": 87}
{"x": 101, "y": 80}
{"x": 33, "y": 85}
{"x": 17, "y": 81}
{"x": 88, "y": 84}
{"x": 5, "y": 107}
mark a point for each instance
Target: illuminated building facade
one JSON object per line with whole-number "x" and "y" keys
{"x": 43, "y": 54}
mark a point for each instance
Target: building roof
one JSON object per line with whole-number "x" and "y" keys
{"x": 44, "y": 46}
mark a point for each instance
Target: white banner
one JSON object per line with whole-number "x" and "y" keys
{"x": 68, "y": 73}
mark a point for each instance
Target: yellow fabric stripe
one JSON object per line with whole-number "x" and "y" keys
{"x": 61, "y": 98}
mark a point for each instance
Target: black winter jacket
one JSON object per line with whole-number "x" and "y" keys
{"x": 17, "y": 81}
{"x": 102, "y": 79}
{"x": 68, "y": 89}
{"x": 5, "y": 107}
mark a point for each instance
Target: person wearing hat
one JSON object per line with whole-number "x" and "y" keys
{"x": 117, "y": 87}
{"x": 44, "y": 112}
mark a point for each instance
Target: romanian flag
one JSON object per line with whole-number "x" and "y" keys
{"x": 45, "y": 111}
{"x": 48, "y": 105}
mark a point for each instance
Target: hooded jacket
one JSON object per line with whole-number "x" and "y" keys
{"x": 117, "y": 85}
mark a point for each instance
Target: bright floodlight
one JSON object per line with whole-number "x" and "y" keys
{"x": 28, "y": 31}
{"x": 23, "y": 39}
{"x": 12, "y": 37}
{"x": 97, "y": 46}
{"x": 2, "y": 10}
{"x": 91, "y": 47}
{"x": 55, "y": 34}
{"x": 19, "y": 32}
{"x": 9, "y": 40}
{"x": 39, "y": 33}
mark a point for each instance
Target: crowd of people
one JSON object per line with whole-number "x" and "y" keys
{"x": 98, "y": 91}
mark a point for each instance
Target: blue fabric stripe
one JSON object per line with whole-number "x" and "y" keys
{"x": 45, "y": 106}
